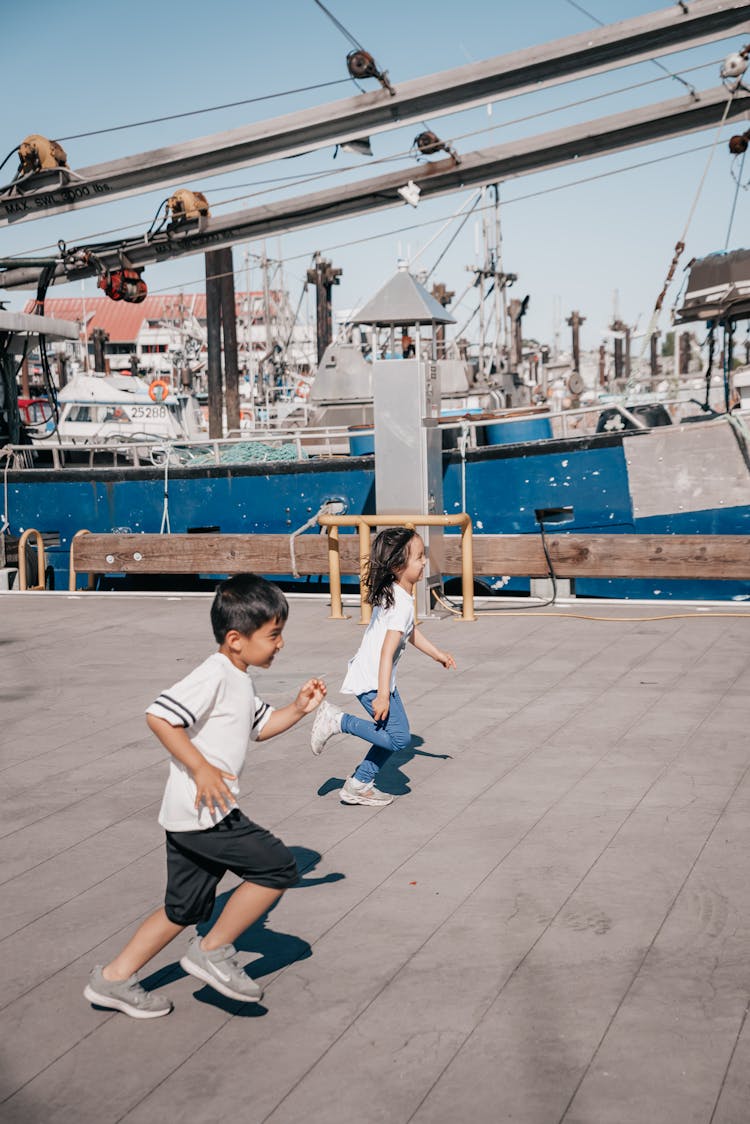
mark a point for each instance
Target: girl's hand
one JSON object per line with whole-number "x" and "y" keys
{"x": 381, "y": 704}
{"x": 310, "y": 695}
{"x": 211, "y": 789}
{"x": 446, "y": 659}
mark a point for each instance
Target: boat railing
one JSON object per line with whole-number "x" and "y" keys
{"x": 324, "y": 440}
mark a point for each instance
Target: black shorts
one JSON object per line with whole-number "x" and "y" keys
{"x": 197, "y": 860}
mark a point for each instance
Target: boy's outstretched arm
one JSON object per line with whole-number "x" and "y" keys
{"x": 209, "y": 781}
{"x": 422, "y": 644}
{"x": 310, "y": 695}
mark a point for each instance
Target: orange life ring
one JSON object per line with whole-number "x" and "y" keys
{"x": 302, "y": 389}
{"x": 158, "y": 390}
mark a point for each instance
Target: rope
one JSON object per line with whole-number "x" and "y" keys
{"x": 329, "y": 507}
{"x": 195, "y": 112}
{"x": 337, "y": 23}
{"x": 734, "y": 201}
{"x": 661, "y": 66}
{"x": 7, "y": 452}
{"x": 167, "y": 451}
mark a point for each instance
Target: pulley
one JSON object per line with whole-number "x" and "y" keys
{"x": 361, "y": 64}
{"x": 38, "y": 154}
{"x": 735, "y": 65}
{"x": 739, "y": 142}
{"x": 124, "y": 284}
{"x": 429, "y": 143}
{"x": 186, "y": 204}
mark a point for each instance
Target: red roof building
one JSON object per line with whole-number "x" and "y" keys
{"x": 170, "y": 323}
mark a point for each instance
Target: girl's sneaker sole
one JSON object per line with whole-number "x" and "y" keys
{"x": 371, "y": 802}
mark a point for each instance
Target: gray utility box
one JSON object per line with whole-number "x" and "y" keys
{"x": 408, "y": 452}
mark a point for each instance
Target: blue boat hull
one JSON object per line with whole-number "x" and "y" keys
{"x": 608, "y": 479}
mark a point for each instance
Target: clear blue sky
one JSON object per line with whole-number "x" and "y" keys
{"x": 80, "y": 66}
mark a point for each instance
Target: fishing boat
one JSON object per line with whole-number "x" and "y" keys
{"x": 117, "y": 409}
{"x": 688, "y": 474}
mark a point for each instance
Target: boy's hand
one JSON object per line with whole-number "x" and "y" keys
{"x": 446, "y": 659}
{"x": 211, "y": 789}
{"x": 381, "y": 704}
{"x": 310, "y": 695}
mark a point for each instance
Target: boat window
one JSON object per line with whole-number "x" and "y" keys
{"x": 80, "y": 414}
{"x": 117, "y": 414}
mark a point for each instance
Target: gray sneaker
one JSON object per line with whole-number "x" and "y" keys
{"x": 125, "y": 995}
{"x": 220, "y": 970}
{"x": 326, "y": 723}
{"x": 358, "y": 792}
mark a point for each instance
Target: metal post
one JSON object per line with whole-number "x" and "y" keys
{"x": 334, "y": 568}
{"x": 467, "y": 572}
{"x": 365, "y": 608}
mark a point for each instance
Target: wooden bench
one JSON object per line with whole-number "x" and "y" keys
{"x": 725, "y": 557}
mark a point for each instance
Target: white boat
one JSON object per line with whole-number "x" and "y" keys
{"x": 98, "y": 409}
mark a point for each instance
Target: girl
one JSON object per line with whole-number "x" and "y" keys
{"x": 397, "y": 563}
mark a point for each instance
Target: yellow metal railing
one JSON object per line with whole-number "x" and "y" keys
{"x": 41, "y": 560}
{"x": 72, "y": 572}
{"x": 364, "y": 523}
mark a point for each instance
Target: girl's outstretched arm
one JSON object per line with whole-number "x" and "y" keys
{"x": 422, "y": 644}
{"x": 381, "y": 704}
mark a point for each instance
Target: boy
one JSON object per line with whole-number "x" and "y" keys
{"x": 205, "y": 723}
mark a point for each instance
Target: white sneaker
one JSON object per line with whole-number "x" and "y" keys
{"x": 327, "y": 723}
{"x": 363, "y": 792}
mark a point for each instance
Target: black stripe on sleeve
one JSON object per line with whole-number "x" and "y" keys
{"x": 259, "y": 714}
{"x": 171, "y": 709}
{"x": 182, "y": 706}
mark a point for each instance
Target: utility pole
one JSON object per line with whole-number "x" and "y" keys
{"x": 574, "y": 322}
{"x": 516, "y": 309}
{"x": 654, "y": 357}
{"x": 444, "y": 297}
{"x": 621, "y": 349}
{"x": 266, "y": 298}
{"x": 229, "y": 334}
{"x": 323, "y": 276}
{"x": 213, "y": 339}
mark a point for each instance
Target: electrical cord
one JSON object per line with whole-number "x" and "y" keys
{"x": 590, "y": 616}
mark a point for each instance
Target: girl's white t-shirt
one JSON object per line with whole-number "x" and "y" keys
{"x": 362, "y": 673}
{"x": 217, "y": 705}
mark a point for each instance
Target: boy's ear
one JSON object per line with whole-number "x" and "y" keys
{"x": 232, "y": 637}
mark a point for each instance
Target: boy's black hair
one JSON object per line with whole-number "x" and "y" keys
{"x": 246, "y": 602}
{"x": 389, "y": 554}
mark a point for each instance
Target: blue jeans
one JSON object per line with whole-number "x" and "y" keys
{"x": 385, "y": 737}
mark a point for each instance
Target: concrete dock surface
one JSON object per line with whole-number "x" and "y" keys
{"x": 550, "y": 923}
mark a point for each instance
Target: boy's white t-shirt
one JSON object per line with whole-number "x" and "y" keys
{"x": 217, "y": 705}
{"x": 362, "y": 673}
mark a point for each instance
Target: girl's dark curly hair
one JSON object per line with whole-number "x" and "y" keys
{"x": 389, "y": 554}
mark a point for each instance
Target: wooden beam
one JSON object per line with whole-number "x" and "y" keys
{"x": 607, "y": 556}
{"x": 220, "y": 554}
{"x": 573, "y": 556}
